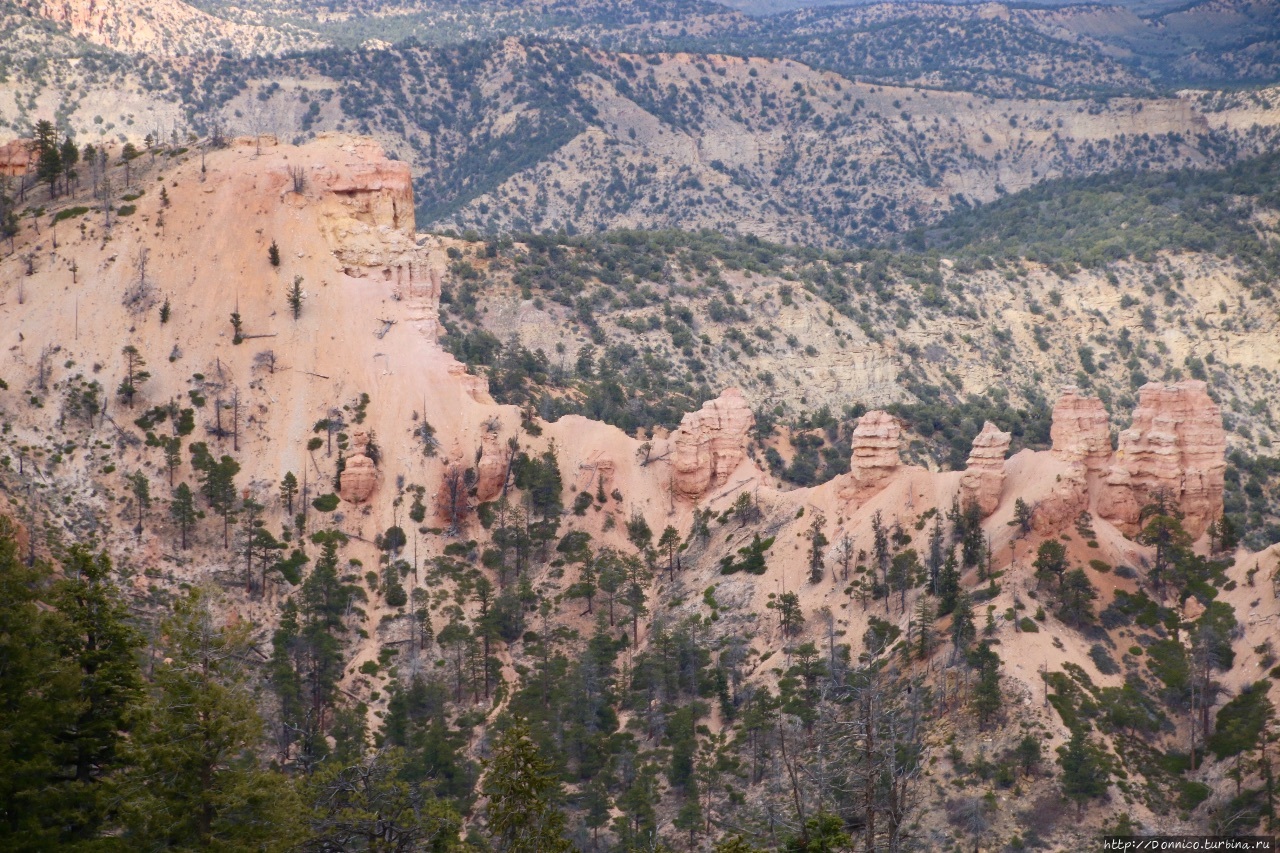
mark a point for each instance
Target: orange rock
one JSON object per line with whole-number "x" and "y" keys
{"x": 491, "y": 470}
{"x": 709, "y": 444}
{"x": 983, "y": 478}
{"x": 1177, "y": 446}
{"x": 360, "y": 476}
{"x": 876, "y": 440}
{"x": 374, "y": 189}
{"x": 1081, "y": 430}
{"x": 1070, "y": 495}
{"x": 16, "y": 158}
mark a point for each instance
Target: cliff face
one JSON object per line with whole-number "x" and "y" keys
{"x": 983, "y": 479}
{"x": 709, "y": 444}
{"x": 1176, "y": 447}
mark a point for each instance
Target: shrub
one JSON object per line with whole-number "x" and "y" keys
{"x": 1028, "y": 625}
{"x": 326, "y": 503}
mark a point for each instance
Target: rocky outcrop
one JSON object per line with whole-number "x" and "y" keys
{"x": 1068, "y": 497}
{"x": 491, "y": 470}
{"x": 983, "y": 478}
{"x": 1081, "y": 430}
{"x": 371, "y": 188}
{"x": 709, "y": 444}
{"x": 1175, "y": 446}
{"x": 876, "y": 440}
{"x": 16, "y": 158}
{"x": 359, "y": 477}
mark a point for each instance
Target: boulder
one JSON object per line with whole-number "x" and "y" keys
{"x": 709, "y": 444}
{"x": 983, "y": 478}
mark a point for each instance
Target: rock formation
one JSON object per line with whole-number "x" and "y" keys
{"x": 709, "y": 444}
{"x": 1081, "y": 430}
{"x": 16, "y": 158}
{"x": 983, "y": 479}
{"x": 360, "y": 475}
{"x": 1069, "y": 496}
{"x": 491, "y": 470}
{"x": 374, "y": 189}
{"x": 876, "y": 440}
{"x": 1177, "y": 446}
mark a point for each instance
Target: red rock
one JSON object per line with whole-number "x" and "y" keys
{"x": 359, "y": 477}
{"x": 16, "y": 158}
{"x": 491, "y": 470}
{"x": 1081, "y": 430}
{"x": 1176, "y": 445}
{"x": 983, "y": 478}
{"x": 1069, "y": 496}
{"x": 876, "y": 440}
{"x": 709, "y": 444}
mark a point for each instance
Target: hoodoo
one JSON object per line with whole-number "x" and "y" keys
{"x": 360, "y": 476}
{"x": 983, "y": 479}
{"x": 1176, "y": 447}
{"x": 710, "y": 443}
{"x": 876, "y": 440}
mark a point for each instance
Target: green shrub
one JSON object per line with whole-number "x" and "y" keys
{"x": 326, "y": 503}
{"x": 1028, "y": 625}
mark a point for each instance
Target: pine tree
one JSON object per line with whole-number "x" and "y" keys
{"x": 295, "y": 298}
{"x": 817, "y": 542}
{"x": 97, "y": 641}
{"x": 140, "y": 486}
{"x": 987, "y": 699}
{"x": 182, "y": 509}
{"x": 962, "y": 627}
{"x": 523, "y": 814}
{"x": 1083, "y": 776}
{"x": 289, "y": 490}
{"x": 37, "y": 694}
{"x": 134, "y": 375}
{"x": 273, "y": 254}
{"x": 199, "y": 735}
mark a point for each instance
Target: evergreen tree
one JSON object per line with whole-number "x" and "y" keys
{"x": 1051, "y": 560}
{"x": 987, "y": 699}
{"x": 295, "y": 297}
{"x": 134, "y": 375}
{"x": 289, "y": 490}
{"x": 218, "y": 485}
{"x": 523, "y": 814}
{"x": 963, "y": 631}
{"x": 140, "y": 486}
{"x": 35, "y": 691}
{"x": 273, "y": 254}
{"x": 817, "y": 542}
{"x": 1022, "y": 516}
{"x": 1083, "y": 775}
{"x": 370, "y": 805}
{"x": 182, "y": 509}
{"x": 196, "y": 783}
{"x": 1075, "y": 598}
{"x": 948, "y": 585}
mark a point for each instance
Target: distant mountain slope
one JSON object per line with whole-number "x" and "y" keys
{"x": 163, "y": 28}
